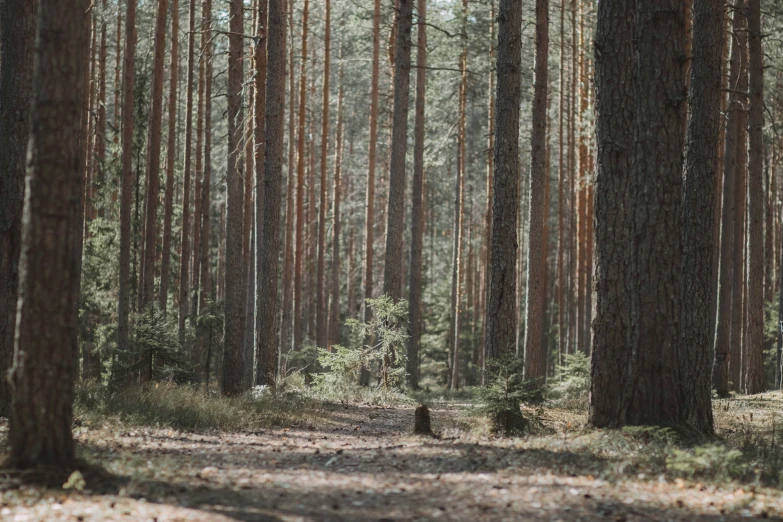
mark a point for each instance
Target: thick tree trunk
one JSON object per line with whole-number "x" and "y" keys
{"x": 651, "y": 393}
{"x": 417, "y": 211}
{"x": 701, "y": 155}
{"x": 153, "y": 159}
{"x": 185, "y": 252}
{"x": 722, "y": 345}
{"x": 501, "y": 309}
{"x": 41, "y": 410}
{"x": 395, "y": 215}
{"x": 18, "y": 21}
{"x": 754, "y": 348}
{"x": 234, "y": 334}
{"x": 171, "y": 158}
{"x": 126, "y": 195}
{"x": 535, "y": 347}
{"x": 614, "y": 62}
{"x": 266, "y": 356}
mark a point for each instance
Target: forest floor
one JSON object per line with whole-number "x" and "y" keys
{"x": 362, "y": 463}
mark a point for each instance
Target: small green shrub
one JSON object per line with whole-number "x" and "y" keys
{"x": 572, "y": 390}
{"x": 502, "y": 397}
{"x": 710, "y": 461}
{"x": 655, "y": 434}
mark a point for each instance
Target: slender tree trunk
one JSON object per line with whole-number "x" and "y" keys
{"x": 321, "y": 332}
{"x": 720, "y": 371}
{"x": 185, "y": 253}
{"x": 18, "y": 21}
{"x": 740, "y": 196}
{"x": 171, "y": 157}
{"x": 334, "y": 307}
{"x": 754, "y": 349}
{"x": 651, "y": 394}
{"x": 561, "y": 203}
{"x": 288, "y": 256}
{"x": 126, "y": 195}
{"x": 369, "y": 208}
{"x": 417, "y": 211}
{"x": 299, "y": 249}
{"x": 501, "y": 310}
{"x": 153, "y": 160}
{"x": 535, "y": 348}
{"x": 395, "y": 215}
{"x": 100, "y": 132}
{"x": 701, "y": 154}
{"x": 41, "y": 409}
{"x": 262, "y": 348}
{"x": 266, "y": 360}
{"x": 233, "y": 360}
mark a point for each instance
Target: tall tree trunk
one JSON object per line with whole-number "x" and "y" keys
{"x": 171, "y": 157}
{"x": 722, "y": 345}
{"x": 651, "y": 394}
{"x": 740, "y": 198}
{"x": 185, "y": 253}
{"x": 701, "y": 155}
{"x": 47, "y": 321}
{"x": 100, "y": 132}
{"x": 417, "y": 211}
{"x": 501, "y": 309}
{"x": 614, "y": 69}
{"x": 126, "y": 195}
{"x": 259, "y": 137}
{"x": 153, "y": 160}
{"x": 18, "y": 21}
{"x": 274, "y": 117}
{"x": 535, "y": 347}
{"x": 369, "y": 207}
{"x": 321, "y": 332}
{"x": 234, "y": 334}
{"x": 334, "y": 307}
{"x": 754, "y": 349}
{"x": 299, "y": 249}
{"x": 561, "y": 203}
{"x": 288, "y": 255}
{"x": 395, "y": 215}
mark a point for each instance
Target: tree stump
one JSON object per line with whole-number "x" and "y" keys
{"x": 421, "y": 423}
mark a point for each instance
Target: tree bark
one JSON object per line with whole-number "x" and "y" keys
{"x": 651, "y": 393}
{"x": 126, "y": 194}
{"x": 18, "y": 22}
{"x": 41, "y": 410}
{"x": 334, "y": 306}
{"x": 754, "y": 348}
{"x": 299, "y": 249}
{"x": 321, "y": 332}
{"x": 701, "y": 155}
{"x": 722, "y": 345}
{"x": 395, "y": 214}
{"x": 266, "y": 358}
{"x": 501, "y": 310}
{"x": 233, "y": 360}
{"x": 171, "y": 157}
{"x": 153, "y": 159}
{"x": 415, "y": 321}
{"x": 535, "y": 346}
{"x": 185, "y": 252}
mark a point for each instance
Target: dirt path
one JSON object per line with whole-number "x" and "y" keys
{"x": 363, "y": 465}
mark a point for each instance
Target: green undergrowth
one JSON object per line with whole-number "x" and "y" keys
{"x": 189, "y": 408}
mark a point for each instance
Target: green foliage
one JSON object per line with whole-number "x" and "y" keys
{"x": 186, "y": 407}
{"x": 154, "y": 350}
{"x": 709, "y": 461}
{"x": 505, "y": 391}
{"x": 572, "y": 390}
{"x": 654, "y": 434}
{"x": 387, "y": 330}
